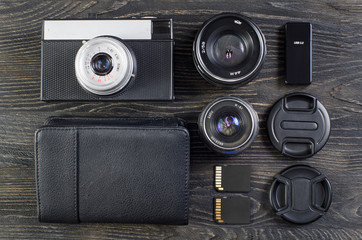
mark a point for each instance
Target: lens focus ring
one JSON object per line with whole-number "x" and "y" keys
{"x": 104, "y": 65}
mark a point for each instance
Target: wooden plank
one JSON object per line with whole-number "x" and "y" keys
{"x": 337, "y": 69}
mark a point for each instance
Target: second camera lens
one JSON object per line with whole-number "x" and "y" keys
{"x": 228, "y": 125}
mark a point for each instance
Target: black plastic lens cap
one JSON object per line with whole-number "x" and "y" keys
{"x": 300, "y": 194}
{"x": 298, "y": 125}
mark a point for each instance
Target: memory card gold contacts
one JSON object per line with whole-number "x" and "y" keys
{"x": 232, "y": 210}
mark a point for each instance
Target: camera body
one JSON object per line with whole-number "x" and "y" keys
{"x": 107, "y": 60}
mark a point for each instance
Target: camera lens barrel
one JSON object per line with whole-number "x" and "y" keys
{"x": 228, "y": 125}
{"x": 104, "y": 65}
{"x": 229, "y": 50}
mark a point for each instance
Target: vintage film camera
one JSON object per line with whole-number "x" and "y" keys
{"x": 116, "y": 59}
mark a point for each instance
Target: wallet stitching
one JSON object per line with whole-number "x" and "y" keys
{"x": 52, "y": 118}
{"x": 75, "y": 174}
{"x": 186, "y": 179}
{"x": 49, "y": 119}
{"x": 169, "y": 129}
{"x": 37, "y": 174}
{"x": 104, "y": 119}
{"x": 138, "y": 129}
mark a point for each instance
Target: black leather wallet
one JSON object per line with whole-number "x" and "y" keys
{"x": 112, "y": 170}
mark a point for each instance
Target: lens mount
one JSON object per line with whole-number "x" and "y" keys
{"x": 104, "y": 65}
{"x": 229, "y": 50}
{"x": 228, "y": 125}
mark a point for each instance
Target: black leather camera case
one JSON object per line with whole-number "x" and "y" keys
{"x": 112, "y": 170}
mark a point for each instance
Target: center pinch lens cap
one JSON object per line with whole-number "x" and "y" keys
{"x": 298, "y": 125}
{"x": 300, "y": 194}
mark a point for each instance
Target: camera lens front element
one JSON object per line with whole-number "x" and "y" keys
{"x": 228, "y": 125}
{"x": 229, "y": 50}
{"x": 104, "y": 65}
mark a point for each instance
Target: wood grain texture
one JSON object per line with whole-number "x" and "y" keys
{"x": 337, "y": 71}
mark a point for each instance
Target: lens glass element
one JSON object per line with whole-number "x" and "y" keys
{"x": 228, "y": 125}
{"x": 102, "y": 64}
{"x": 229, "y": 50}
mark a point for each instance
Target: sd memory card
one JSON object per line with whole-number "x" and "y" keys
{"x": 232, "y": 210}
{"x": 232, "y": 178}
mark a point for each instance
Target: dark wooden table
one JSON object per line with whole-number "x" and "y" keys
{"x": 337, "y": 69}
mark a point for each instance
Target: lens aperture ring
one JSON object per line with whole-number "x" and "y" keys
{"x": 113, "y": 69}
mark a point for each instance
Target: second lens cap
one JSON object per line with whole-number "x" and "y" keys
{"x": 300, "y": 194}
{"x": 298, "y": 125}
